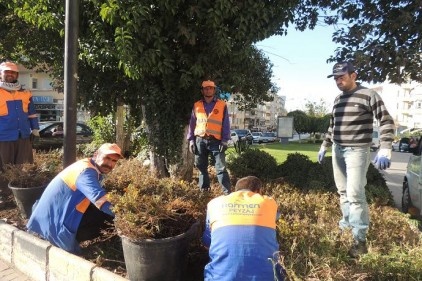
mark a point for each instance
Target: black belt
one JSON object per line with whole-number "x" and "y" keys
{"x": 208, "y": 138}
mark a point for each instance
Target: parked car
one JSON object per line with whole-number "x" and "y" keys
{"x": 375, "y": 140}
{"x": 401, "y": 145}
{"x": 242, "y": 134}
{"x": 268, "y": 137}
{"x": 51, "y": 135}
{"x": 412, "y": 195}
{"x": 257, "y": 137}
{"x": 233, "y": 138}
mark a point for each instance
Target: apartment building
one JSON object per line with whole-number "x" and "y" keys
{"x": 262, "y": 118}
{"x": 49, "y": 103}
{"x": 404, "y": 102}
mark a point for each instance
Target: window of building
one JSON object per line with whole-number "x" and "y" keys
{"x": 34, "y": 83}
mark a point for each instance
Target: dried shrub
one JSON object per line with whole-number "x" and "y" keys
{"x": 149, "y": 207}
{"x": 313, "y": 248}
{"x": 45, "y": 167}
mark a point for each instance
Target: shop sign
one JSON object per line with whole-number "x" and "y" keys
{"x": 42, "y": 99}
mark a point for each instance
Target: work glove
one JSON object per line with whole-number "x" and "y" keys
{"x": 321, "y": 154}
{"x": 382, "y": 160}
{"x": 223, "y": 147}
{"x": 192, "y": 147}
{"x": 36, "y": 132}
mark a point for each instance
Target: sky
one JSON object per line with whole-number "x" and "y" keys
{"x": 299, "y": 66}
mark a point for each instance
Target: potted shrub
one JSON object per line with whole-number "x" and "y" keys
{"x": 28, "y": 181}
{"x": 155, "y": 218}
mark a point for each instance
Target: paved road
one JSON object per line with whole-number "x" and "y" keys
{"x": 394, "y": 175}
{"x": 9, "y": 273}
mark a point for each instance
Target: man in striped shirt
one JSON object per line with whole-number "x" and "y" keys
{"x": 350, "y": 135}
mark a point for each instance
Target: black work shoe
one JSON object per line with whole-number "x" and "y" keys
{"x": 358, "y": 248}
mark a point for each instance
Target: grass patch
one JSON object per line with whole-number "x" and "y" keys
{"x": 280, "y": 151}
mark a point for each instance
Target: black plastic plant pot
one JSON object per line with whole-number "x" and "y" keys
{"x": 25, "y": 198}
{"x": 158, "y": 259}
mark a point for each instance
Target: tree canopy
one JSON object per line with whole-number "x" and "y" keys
{"x": 151, "y": 55}
{"x": 382, "y": 37}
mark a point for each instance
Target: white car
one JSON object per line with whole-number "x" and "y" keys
{"x": 268, "y": 137}
{"x": 257, "y": 137}
{"x": 412, "y": 188}
{"x": 375, "y": 145}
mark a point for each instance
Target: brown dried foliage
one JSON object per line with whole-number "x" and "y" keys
{"x": 45, "y": 167}
{"x": 149, "y": 207}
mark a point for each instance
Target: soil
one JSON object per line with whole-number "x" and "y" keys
{"x": 106, "y": 250}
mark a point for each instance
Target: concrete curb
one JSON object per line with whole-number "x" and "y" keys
{"x": 41, "y": 261}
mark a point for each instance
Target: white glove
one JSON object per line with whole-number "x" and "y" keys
{"x": 382, "y": 160}
{"x": 36, "y": 132}
{"x": 223, "y": 147}
{"x": 192, "y": 147}
{"x": 321, "y": 154}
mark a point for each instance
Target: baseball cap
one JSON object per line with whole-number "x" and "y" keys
{"x": 110, "y": 148}
{"x": 208, "y": 83}
{"x": 7, "y": 65}
{"x": 342, "y": 68}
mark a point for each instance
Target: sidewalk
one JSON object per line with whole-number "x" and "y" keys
{"x": 9, "y": 273}
{"x": 26, "y": 257}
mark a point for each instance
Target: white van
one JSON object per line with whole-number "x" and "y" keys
{"x": 375, "y": 140}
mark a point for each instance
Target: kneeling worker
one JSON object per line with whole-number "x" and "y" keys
{"x": 74, "y": 206}
{"x": 240, "y": 233}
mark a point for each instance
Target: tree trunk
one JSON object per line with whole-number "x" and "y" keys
{"x": 120, "y": 132}
{"x": 183, "y": 169}
{"x": 158, "y": 165}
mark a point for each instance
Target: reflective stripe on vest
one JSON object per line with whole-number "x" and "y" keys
{"x": 69, "y": 177}
{"x": 14, "y": 96}
{"x": 212, "y": 124}
{"x": 242, "y": 208}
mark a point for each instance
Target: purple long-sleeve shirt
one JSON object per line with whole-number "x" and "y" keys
{"x": 225, "y": 134}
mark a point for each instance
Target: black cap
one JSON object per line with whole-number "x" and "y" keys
{"x": 342, "y": 68}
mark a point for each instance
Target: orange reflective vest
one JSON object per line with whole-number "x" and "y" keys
{"x": 212, "y": 124}
{"x": 17, "y": 115}
{"x": 59, "y": 211}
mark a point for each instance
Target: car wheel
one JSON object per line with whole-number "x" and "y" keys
{"x": 405, "y": 200}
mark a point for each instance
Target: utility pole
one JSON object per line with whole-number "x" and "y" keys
{"x": 70, "y": 81}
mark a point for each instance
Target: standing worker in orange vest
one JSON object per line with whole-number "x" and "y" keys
{"x": 18, "y": 119}
{"x": 209, "y": 133}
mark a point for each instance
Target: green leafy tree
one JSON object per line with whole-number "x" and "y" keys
{"x": 151, "y": 55}
{"x": 382, "y": 37}
{"x": 317, "y": 109}
{"x": 316, "y": 113}
{"x": 300, "y": 121}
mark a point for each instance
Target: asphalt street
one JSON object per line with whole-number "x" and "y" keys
{"x": 395, "y": 174}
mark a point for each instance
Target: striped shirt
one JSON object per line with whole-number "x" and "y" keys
{"x": 351, "y": 122}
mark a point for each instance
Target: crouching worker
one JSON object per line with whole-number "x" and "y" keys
{"x": 240, "y": 233}
{"x": 74, "y": 206}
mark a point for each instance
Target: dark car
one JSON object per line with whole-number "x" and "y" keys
{"x": 244, "y": 134}
{"x": 403, "y": 145}
{"x": 51, "y": 135}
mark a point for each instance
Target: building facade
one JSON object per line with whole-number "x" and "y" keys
{"x": 49, "y": 103}
{"x": 262, "y": 118}
{"x": 404, "y": 102}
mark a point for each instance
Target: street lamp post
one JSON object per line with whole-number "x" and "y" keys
{"x": 70, "y": 80}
